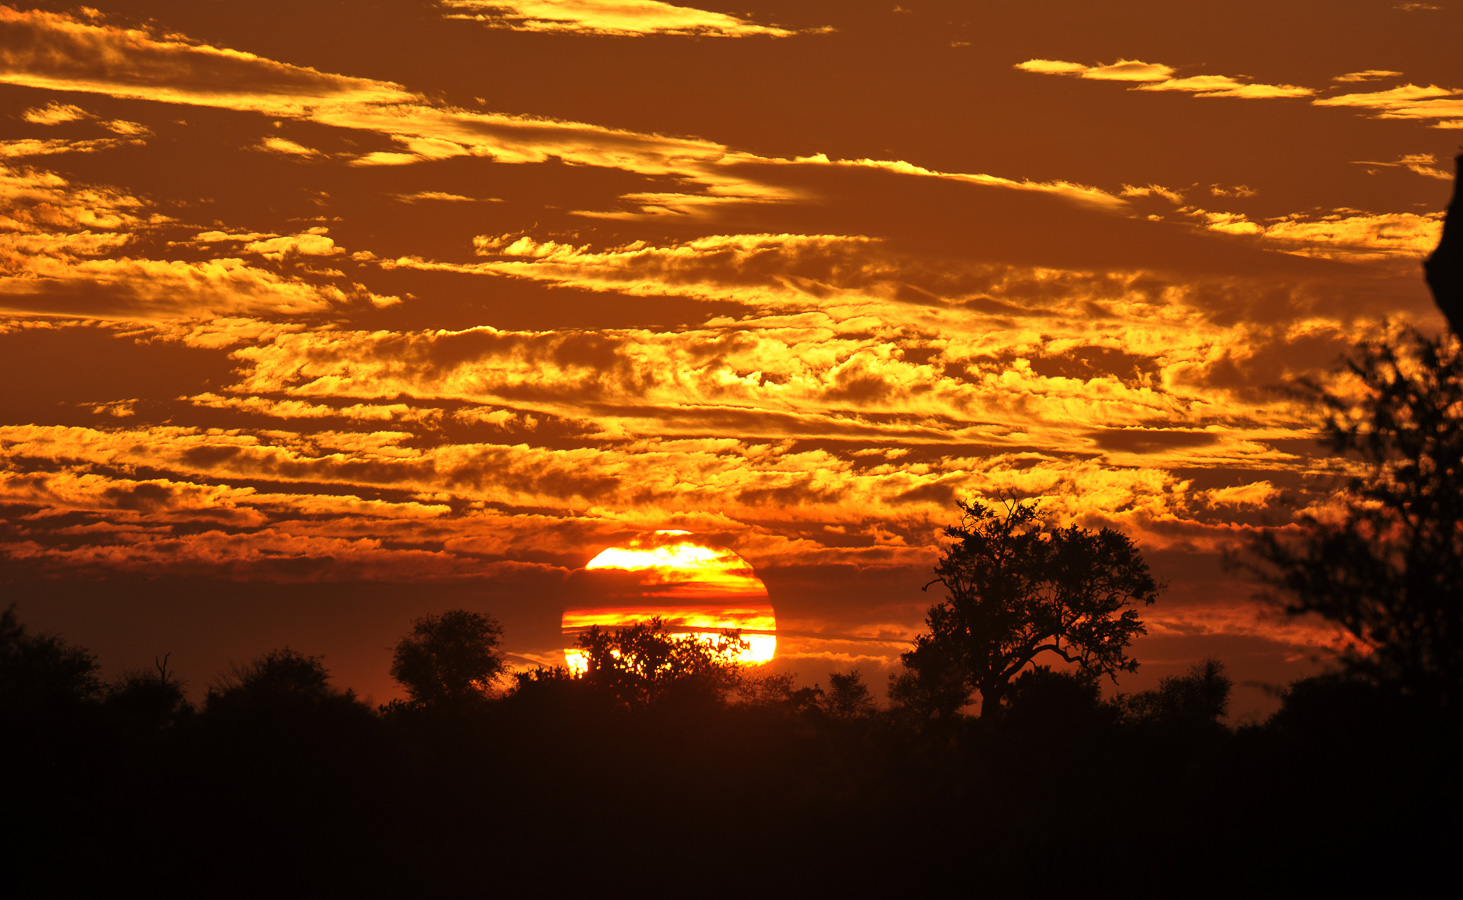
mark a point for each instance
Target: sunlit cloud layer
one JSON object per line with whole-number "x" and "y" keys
{"x": 462, "y": 316}
{"x": 1441, "y": 107}
{"x": 1158, "y": 77}
{"x": 611, "y": 17}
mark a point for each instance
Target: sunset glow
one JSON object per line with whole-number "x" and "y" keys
{"x": 312, "y": 314}
{"x": 698, "y": 591}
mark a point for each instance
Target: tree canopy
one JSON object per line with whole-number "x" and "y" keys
{"x": 450, "y": 659}
{"x": 644, "y": 664}
{"x": 1385, "y": 561}
{"x": 1017, "y": 589}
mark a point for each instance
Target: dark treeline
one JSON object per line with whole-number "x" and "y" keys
{"x": 667, "y": 769}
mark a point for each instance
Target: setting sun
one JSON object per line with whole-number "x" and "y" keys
{"x": 695, "y": 589}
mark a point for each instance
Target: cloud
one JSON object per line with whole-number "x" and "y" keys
{"x": 312, "y": 243}
{"x": 608, "y": 17}
{"x": 54, "y": 114}
{"x": 1346, "y": 234}
{"x": 64, "y": 113}
{"x": 152, "y": 290}
{"x": 1367, "y": 75}
{"x": 1154, "y": 190}
{"x": 1122, "y": 70}
{"x": 286, "y": 147}
{"x": 51, "y": 51}
{"x": 19, "y": 149}
{"x": 59, "y": 246}
{"x": 441, "y": 196}
{"x": 1224, "y": 86}
{"x": 1158, "y": 77}
{"x": 1424, "y": 164}
{"x": 1409, "y": 101}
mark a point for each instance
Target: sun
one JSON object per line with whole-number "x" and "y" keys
{"x": 697, "y": 590}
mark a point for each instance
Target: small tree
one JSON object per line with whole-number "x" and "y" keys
{"x": 146, "y": 702}
{"x": 644, "y": 665}
{"x": 848, "y": 697}
{"x": 449, "y": 660}
{"x": 1199, "y": 697}
{"x": 1388, "y": 567}
{"x": 280, "y": 679}
{"x": 1018, "y": 589}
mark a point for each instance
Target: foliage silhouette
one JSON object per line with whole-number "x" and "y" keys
{"x": 644, "y": 665}
{"x": 42, "y": 675}
{"x": 848, "y": 697}
{"x": 147, "y": 701}
{"x": 1199, "y": 697}
{"x": 289, "y": 784}
{"x": 777, "y": 691}
{"x": 1018, "y": 589}
{"x": 449, "y": 660}
{"x": 1387, "y": 566}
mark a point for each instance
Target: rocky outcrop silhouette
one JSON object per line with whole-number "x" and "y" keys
{"x": 1445, "y": 267}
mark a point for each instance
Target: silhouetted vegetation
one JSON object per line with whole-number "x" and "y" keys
{"x": 1386, "y": 563}
{"x": 667, "y": 760}
{"x": 1017, "y": 590}
{"x": 449, "y": 660}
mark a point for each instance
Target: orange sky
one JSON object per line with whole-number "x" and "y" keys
{"x": 319, "y": 316}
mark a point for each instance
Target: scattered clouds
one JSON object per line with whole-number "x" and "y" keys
{"x": 1343, "y": 234}
{"x": 1122, "y": 70}
{"x": 54, "y": 114}
{"x": 1157, "y": 77}
{"x": 1441, "y": 107}
{"x": 808, "y": 356}
{"x": 441, "y": 196}
{"x": 1367, "y": 75}
{"x": 1424, "y": 164}
{"x": 286, "y": 147}
{"x": 608, "y": 17}
{"x": 46, "y": 50}
{"x": 1154, "y": 190}
{"x": 61, "y": 247}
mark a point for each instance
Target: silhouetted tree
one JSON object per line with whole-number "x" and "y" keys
{"x": 1198, "y": 697}
{"x": 935, "y": 688}
{"x": 644, "y": 664}
{"x": 776, "y": 691}
{"x": 848, "y": 697}
{"x": 41, "y": 675}
{"x": 1388, "y": 564}
{"x": 282, "y": 684}
{"x": 1018, "y": 589}
{"x": 144, "y": 702}
{"x": 449, "y": 660}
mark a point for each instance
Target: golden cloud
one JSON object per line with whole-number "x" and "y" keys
{"x": 1158, "y": 77}
{"x": 607, "y": 17}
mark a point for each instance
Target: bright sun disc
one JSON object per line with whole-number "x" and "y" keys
{"x": 698, "y": 591}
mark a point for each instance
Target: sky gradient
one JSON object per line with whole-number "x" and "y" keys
{"x": 319, "y": 316}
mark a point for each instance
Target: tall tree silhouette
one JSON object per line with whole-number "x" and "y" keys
{"x": 1388, "y": 566}
{"x": 1016, "y": 590}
